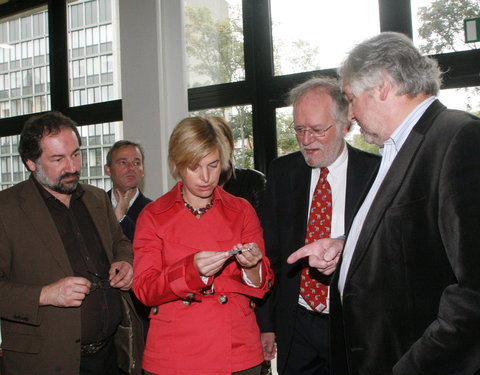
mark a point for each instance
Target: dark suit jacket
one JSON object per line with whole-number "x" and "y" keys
{"x": 285, "y": 224}
{"x": 46, "y": 339}
{"x": 411, "y": 302}
{"x": 130, "y": 219}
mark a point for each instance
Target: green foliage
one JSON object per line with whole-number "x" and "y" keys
{"x": 442, "y": 24}
{"x": 215, "y": 47}
{"x": 443, "y": 31}
{"x": 358, "y": 141}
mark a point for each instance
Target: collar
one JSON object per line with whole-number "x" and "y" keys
{"x": 399, "y": 136}
{"x": 132, "y": 201}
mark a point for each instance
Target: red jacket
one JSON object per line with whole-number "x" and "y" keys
{"x": 192, "y": 333}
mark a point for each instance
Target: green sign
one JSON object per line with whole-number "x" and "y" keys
{"x": 472, "y": 30}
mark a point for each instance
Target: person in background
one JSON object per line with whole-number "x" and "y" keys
{"x": 65, "y": 265}
{"x": 242, "y": 182}
{"x": 406, "y": 295}
{"x": 125, "y": 166}
{"x": 199, "y": 258}
{"x": 310, "y": 194}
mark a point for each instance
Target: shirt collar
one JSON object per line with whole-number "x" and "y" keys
{"x": 114, "y": 199}
{"x": 399, "y": 136}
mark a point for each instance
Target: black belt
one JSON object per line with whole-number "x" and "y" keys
{"x": 94, "y": 347}
{"x": 311, "y": 312}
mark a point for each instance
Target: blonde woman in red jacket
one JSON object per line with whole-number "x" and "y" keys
{"x": 199, "y": 260}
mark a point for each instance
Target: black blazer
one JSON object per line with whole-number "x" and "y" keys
{"x": 130, "y": 219}
{"x": 285, "y": 220}
{"x": 411, "y": 301}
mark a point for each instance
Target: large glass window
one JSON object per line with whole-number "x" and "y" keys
{"x": 92, "y": 56}
{"x": 312, "y": 35}
{"x": 25, "y": 79}
{"x": 24, "y": 64}
{"x": 214, "y": 38}
{"x": 438, "y": 25}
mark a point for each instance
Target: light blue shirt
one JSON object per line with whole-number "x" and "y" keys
{"x": 389, "y": 151}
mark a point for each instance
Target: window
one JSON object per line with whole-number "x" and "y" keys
{"x": 214, "y": 38}
{"x": 438, "y": 25}
{"x": 25, "y": 71}
{"x": 306, "y": 37}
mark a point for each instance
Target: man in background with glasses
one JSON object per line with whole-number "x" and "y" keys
{"x": 65, "y": 265}
{"x": 310, "y": 194}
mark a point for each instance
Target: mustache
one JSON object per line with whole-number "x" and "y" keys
{"x": 69, "y": 174}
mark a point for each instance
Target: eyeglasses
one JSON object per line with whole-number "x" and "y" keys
{"x": 314, "y": 132}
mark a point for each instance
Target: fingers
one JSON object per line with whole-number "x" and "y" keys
{"x": 268, "y": 345}
{"x": 121, "y": 275}
{"x": 209, "y": 263}
{"x": 322, "y": 254}
{"x": 66, "y": 292}
{"x": 250, "y": 255}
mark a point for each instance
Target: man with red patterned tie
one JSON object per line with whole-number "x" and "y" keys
{"x": 311, "y": 194}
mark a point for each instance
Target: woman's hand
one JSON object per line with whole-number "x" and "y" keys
{"x": 250, "y": 259}
{"x": 208, "y": 263}
{"x": 249, "y": 255}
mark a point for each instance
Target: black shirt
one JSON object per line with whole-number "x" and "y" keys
{"x": 101, "y": 309}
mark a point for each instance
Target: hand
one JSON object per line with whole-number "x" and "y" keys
{"x": 250, "y": 260}
{"x": 123, "y": 201}
{"x": 66, "y": 292}
{"x": 121, "y": 275}
{"x": 251, "y": 255}
{"x": 208, "y": 263}
{"x": 322, "y": 254}
{"x": 269, "y": 346}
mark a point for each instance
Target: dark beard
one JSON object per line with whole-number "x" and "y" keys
{"x": 58, "y": 186}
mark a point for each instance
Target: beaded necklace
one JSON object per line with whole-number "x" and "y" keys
{"x": 197, "y": 212}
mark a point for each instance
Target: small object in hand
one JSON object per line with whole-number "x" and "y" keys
{"x": 239, "y": 251}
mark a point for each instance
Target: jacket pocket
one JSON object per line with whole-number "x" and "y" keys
{"x": 23, "y": 343}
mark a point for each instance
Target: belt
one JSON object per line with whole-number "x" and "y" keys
{"x": 314, "y": 313}
{"x": 94, "y": 347}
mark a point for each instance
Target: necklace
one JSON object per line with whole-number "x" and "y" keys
{"x": 197, "y": 212}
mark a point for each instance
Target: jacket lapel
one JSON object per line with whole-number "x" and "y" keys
{"x": 392, "y": 183}
{"x": 97, "y": 213}
{"x": 36, "y": 212}
{"x": 300, "y": 187}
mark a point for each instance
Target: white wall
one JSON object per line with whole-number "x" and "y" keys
{"x": 154, "y": 88}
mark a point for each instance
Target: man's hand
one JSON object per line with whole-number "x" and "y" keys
{"x": 121, "y": 275}
{"x": 208, "y": 263}
{"x": 322, "y": 254}
{"x": 66, "y": 292}
{"x": 268, "y": 345}
{"x": 123, "y": 201}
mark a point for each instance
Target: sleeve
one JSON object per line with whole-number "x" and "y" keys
{"x": 19, "y": 301}
{"x": 450, "y": 344}
{"x": 155, "y": 283}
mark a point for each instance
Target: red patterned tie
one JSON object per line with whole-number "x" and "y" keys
{"x": 319, "y": 226}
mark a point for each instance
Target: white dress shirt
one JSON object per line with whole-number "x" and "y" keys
{"x": 389, "y": 151}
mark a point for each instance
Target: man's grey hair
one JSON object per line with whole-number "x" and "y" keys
{"x": 392, "y": 53}
{"x": 328, "y": 85}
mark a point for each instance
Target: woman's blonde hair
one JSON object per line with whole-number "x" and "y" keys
{"x": 194, "y": 138}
